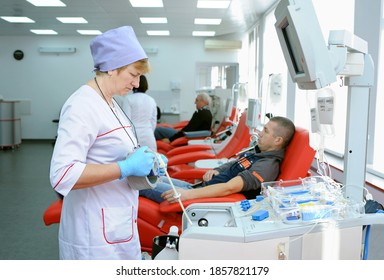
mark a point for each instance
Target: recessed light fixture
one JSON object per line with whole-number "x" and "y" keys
{"x": 158, "y": 32}
{"x": 203, "y": 33}
{"x": 72, "y": 19}
{"x": 153, "y": 20}
{"x": 47, "y": 3}
{"x": 210, "y": 4}
{"x": 147, "y": 3}
{"x": 18, "y": 19}
{"x": 208, "y": 21}
{"x": 44, "y": 31}
{"x": 89, "y": 32}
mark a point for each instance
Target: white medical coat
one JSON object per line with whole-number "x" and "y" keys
{"x": 98, "y": 222}
{"x": 142, "y": 110}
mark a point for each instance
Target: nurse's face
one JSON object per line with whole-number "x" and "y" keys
{"x": 125, "y": 80}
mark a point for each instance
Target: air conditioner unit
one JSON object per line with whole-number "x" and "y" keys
{"x": 57, "y": 50}
{"x": 222, "y": 44}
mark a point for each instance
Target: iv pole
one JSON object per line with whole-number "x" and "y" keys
{"x": 357, "y": 130}
{"x": 358, "y": 68}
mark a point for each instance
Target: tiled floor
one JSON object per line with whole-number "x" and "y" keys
{"x": 25, "y": 192}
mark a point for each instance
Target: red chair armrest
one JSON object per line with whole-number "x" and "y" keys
{"x": 53, "y": 213}
{"x": 195, "y": 173}
{"x": 181, "y": 141}
{"x": 190, "y": 157}
{"x": 188, "y": 149}
{"x": 175, "y": 207}
{"x": 164, "y": 147}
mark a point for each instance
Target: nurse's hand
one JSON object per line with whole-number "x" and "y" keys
{"x": 163, "y": 161}
{"x": 139, "y": 163}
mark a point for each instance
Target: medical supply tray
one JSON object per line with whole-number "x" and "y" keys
{"x": 309, "y": 199}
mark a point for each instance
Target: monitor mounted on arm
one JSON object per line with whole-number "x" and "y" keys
{"x": 305, "y": 52}
{"x": 314, "y": 65}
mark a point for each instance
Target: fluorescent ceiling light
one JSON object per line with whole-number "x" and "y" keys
{"x": 158, "y": 32}
{"x": 203, "y": 33}
{"x": 211, "y": 4}
{"x": 89, "y": 32}
{"x": 72, "y": 19}
{"x": 153, "y": 20}
{"x": 44, "y": 31}
{"x": 147, "y": 3}
{"x": 18, "y": 19}
{"x": 47, "y": 3}
{"x": 209, "y": 21}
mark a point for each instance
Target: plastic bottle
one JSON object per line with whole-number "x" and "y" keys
{"x": 170, "y": 251}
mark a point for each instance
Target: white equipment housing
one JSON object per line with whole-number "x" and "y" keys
{"x": 221, "y": 231}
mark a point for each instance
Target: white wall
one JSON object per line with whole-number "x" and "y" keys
{"x": 48, "y": 79}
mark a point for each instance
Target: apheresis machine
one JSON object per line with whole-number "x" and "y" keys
{"x": 299, "y": 219}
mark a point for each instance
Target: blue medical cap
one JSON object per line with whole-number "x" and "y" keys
{"x": 116, "y": 48}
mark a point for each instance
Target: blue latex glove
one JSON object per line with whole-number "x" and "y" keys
{"x": 162, "y": 164}
{"x": 139, "y": 163}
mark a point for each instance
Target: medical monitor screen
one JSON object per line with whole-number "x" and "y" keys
{"x": 292, "y": 50}
{"x": 306, "y": 54}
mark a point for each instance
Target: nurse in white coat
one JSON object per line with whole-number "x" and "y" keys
{"x": 142, "y": 110}
{"x": 90, "y": 165}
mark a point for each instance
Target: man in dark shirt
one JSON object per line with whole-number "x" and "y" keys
{"x": 201, "y": 120}
{"x": 244, "y": 175}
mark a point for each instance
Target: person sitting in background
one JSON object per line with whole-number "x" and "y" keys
{"x": 142, "y": 110}
{"x": 201, "y": 120}
{"x": 244, "y": 175}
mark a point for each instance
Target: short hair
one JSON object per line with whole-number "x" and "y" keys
{"x": 143, "y": 85}
{"x": 285, "y": 129}
{"x": 205, "y": 97}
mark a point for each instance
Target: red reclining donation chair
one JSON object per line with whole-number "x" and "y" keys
{"x": 156, "y": 219}
{"x": 164, "y": 148}
{"x": 181, "y": 158}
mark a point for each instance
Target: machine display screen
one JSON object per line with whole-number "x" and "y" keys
{"x": 293, "y": 50}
